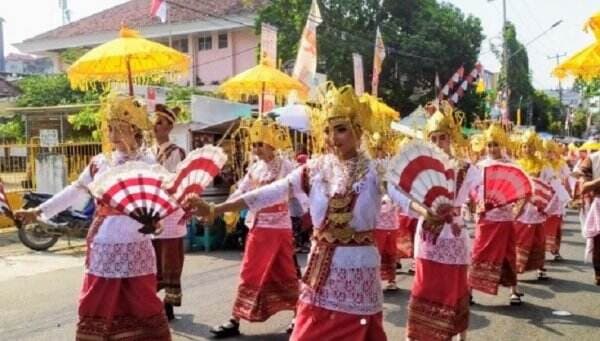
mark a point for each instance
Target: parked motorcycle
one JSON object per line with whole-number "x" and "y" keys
{"x": 43, "y": 234}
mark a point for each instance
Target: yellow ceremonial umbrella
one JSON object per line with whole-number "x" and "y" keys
{"x": 127, "y": 59}
{"x": 590, "y": 145}
{"x": 260, "y": 80}
{"x": 585, "y": 63}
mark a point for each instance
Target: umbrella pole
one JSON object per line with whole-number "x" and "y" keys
{"x": 262, "y": 100}
{"x": 129, "y": 78}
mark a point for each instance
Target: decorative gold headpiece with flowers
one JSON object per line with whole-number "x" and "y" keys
{"x": 495, "y": 133}
{"x": 262, "y": 130}
{"x": 125, "y": 109}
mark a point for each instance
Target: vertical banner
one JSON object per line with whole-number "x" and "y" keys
{"x": 359, "y": 79}
{"x": 306, "y": 60}
{"x": 378, "y": 58}
{"x": 268, "y": 54}
{"x": 268, "y": 44}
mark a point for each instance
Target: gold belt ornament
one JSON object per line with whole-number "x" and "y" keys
{"x": 344, "y": 236}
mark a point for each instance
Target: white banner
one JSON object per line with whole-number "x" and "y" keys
{"x": 306, "y": 60}
{"x": 359, "y": 80}
{"x": 268, "y": 44}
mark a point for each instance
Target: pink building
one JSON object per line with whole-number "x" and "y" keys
{"x": 218, "y": 35}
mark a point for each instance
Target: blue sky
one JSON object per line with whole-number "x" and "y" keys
{"x": 531, "y": 18}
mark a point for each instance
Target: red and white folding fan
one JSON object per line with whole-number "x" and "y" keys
{"x": 425, "y": 174}
{"x": 196, "y": 172}
{"x": 504, "y": 184}
{"x": 542, "y": 194}
{"x": 136, "y": 189}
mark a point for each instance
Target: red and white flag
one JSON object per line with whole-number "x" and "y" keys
{"x": 306, "y": 60}
{"x": 378, "y": 58}
{"x": 159, "y": 9}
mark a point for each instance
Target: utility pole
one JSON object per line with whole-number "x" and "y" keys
{"x": 505, "y": 56}
{"x": 560, "y": 90}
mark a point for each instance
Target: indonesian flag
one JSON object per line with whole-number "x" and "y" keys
{"x": 378, "y": 58}
{"x": 159, "y": 9}
{"x": 306, "y": 60}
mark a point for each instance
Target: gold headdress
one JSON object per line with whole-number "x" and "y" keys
{"x": 449, "y": 121}
{"x": 263, "y": 130}
{"x": 495, "y": 133}
{"x": 125, "y": 109}
{"x": 531, "y": 138}
{"x": 337, "y": 105}
{"x": 477, "y": 143}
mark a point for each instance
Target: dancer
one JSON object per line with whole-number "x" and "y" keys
{"x": 341, "y": 297}
{"x": 439, "y": 304}
{"x": 118, "y": 299}
{"x": 269, "y": 278}
{"x": 529, "y": 226}
{"x": 168, "y": 245}
{"x": 494, "y": 248}
{"x": 556, "y": 173}
{"x": 590, "y": 171}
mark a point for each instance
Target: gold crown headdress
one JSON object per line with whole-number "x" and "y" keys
{"x": 477, "y": 143}
{"x": 262, "y": 130}
{"x": 495, "y": 133}
{"x": 337, "y": 105}
{"x": 531, "y": 138}
{"x": 125, "y": 109}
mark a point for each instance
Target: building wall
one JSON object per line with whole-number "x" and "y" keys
{"x": 217, "y": 64}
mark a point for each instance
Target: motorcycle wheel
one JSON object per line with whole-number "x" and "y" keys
{"x": 35, "y": 238}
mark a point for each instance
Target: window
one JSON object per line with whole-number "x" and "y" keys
{"x": 180, "y": 45}
{"x": 223, "y": 41}
{"x": 205, "y": 42}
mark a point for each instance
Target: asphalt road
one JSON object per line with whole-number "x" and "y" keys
{"x": 39, "y": 290}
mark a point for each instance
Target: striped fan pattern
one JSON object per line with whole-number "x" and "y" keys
{"x": 136, "y": 189}
{"x": 504, "y": 184}
{"x": 542, "y": 194}
{"x": 196, "y": 172}
{"x": 425, "y": 173}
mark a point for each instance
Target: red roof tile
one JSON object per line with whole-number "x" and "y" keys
{"x": 136, "y": 14}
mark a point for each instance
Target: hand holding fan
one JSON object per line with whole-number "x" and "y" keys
{"x": 504, "y": 184}
{"x": 542, "y": 194}
{"x": 135, "y": 189}
{"x": 196, "y": 172}
{"x": 426, "y": 175}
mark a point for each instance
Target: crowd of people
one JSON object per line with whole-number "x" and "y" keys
{"x": 363, "y": 226}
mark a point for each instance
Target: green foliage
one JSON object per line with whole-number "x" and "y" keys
{"x": 589, "y": 88}
{"x": 545, "y": 110}
{"x": 579, "y": 124}
{"x": 51, "y": 90}
{"x": 12, "y": 130}
{"x": 411, "y": 29}
{"x": 69, "y": 56}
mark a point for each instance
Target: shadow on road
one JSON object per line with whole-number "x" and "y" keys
{"x": 540, "y": 317}
{"x": 185, "y": 327}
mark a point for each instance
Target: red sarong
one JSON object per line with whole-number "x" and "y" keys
{"x": 169, "y": 265}
{"x": 439, "y": 303}
{"x": 121, "y": 309}
{"x": 531, "y": 242}
{"x": 316, "y": 323}
{"x": 386, "y": 244}
{"x": 406, "y": 236}
{"x": 494, "y": 257}
{"x": 268, "y": 280}
{"x": 552, "y": 228}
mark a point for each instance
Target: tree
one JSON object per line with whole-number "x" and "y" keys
{"x": 518, "y": 78}
{"x": 51, "y": 90}
{"x": 423, "y": 37}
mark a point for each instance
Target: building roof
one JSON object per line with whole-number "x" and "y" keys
{"x": 101, "y": 26}
{"x": 136, "y": 14}
{"x": 7, "y": 89}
